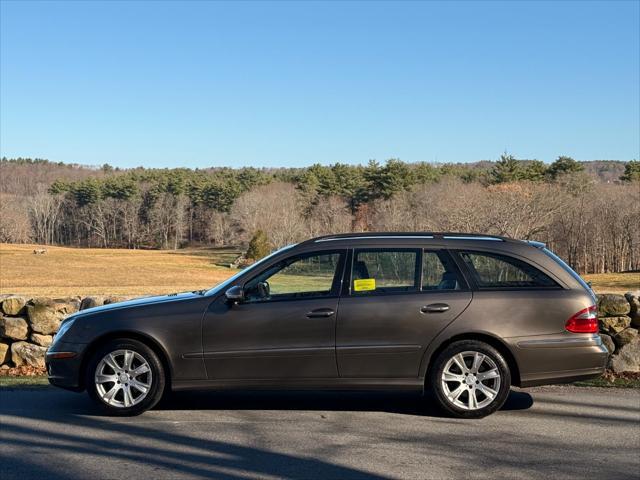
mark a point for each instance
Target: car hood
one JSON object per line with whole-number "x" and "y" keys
{"x": 140, "y": 302}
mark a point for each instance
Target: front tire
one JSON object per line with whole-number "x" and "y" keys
{"x": 470, "y": 379}
{"x": 125, "y": 377}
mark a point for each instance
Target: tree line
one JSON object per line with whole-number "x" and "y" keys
{"x": 590, "y": 222}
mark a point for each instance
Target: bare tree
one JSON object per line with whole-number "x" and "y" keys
{"x": 44, "y": 210}
{"x": 328, "y": 215}
{"x": 220, "y": 231}
{"x": 15, "y": 226}
{"x": 276, "y": 208}
{"x": 168, "y": 220}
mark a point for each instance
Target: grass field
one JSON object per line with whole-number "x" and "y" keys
{"x": 614, "y": 282}
{"x": 27, "y": 381}
{"x": 94, "y": 271}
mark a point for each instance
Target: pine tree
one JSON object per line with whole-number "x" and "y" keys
{"x": 631, "y": 172}
{"x": 258, "y": 246}
{"x": 535, "y": 171}
{"x": 507, "y": 169}
{"x": 564, "y": 165}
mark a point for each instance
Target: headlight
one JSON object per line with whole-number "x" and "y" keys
{"x": 66, "y": 325}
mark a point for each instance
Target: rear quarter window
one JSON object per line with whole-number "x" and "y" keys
{"x": 571, "y": 272}
{"x": 491, "y": 270}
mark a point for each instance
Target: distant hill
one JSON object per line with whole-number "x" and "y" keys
{"x": 606, "y": 171}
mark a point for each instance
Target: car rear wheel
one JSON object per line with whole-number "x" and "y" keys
{"x": 470, "y": 379}
{"x": 125, "y": 377}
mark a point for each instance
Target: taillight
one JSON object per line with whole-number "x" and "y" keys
{"x": 585, "y": 321}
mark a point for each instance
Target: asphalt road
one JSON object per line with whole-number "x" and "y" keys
{"x": 552, "y": 432}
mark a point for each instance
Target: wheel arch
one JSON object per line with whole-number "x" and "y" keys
{"x": 495, "y": 342}
{"x": 128, "y": 335}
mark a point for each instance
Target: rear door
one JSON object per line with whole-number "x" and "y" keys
{"x": 397, "y": 301}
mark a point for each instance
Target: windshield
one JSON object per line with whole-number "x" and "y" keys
{"x": 229, "y": 281}
{"x": 569, "y": 270}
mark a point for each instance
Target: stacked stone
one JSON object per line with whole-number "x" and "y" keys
{"x": 619, "y": 320}
{"x": 27, "y": 326}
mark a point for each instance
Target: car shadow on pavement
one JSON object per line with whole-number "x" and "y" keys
{"x": 389, "y": 402}
{"x": 403, "y": 403}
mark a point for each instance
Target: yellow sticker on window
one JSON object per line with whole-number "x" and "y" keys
{"x": 364, "y": 284}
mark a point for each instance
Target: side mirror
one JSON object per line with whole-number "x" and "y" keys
{"x": 235, "y": 294}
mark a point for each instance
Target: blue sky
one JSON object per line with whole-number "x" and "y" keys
{"x": 198, "y": 84}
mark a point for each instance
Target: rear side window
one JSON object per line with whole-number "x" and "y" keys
{"x": 438, "y": 273}
{"x": 491, "y": 270}
{"x": 384, "y": 271}
{"x": 571, "y": 272}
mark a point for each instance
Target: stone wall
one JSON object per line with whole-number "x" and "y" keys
{"x": 619, "y": 320}
{"x": 27, "y": 327}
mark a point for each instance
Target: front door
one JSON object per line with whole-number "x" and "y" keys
{"x": 285, "y": 327}
{"x": 399, "y": 299}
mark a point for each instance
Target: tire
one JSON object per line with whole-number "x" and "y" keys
{"x": 125, "y": 377}
{"x": 461, "y": 393}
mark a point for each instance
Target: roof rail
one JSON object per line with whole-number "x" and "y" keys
{"x": 435, "y": 235}
{"x": 536, "y": 244}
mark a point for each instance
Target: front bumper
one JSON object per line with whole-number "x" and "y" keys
{"x": 561, "y": 358}
{"x": 65, "y": 372}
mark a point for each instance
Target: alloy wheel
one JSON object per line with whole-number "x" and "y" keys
{"x": 123, "y": 378}
{"x": 471, "y": 380}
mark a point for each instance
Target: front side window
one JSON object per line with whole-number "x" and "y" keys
{"x": 500, "y": 271}
{"x": 310, "y": 275}
{"x": 384, "y": 271}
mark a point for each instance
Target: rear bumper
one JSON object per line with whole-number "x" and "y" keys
{"x": 65, "y": 372}
{"x": 560, "y": 358}
{"x": 566, "y": 376}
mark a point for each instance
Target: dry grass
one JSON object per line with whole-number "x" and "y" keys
{"x": 23, "y": 382}
{"x": 614, "y": 282}
{"x": 66, "y": 271}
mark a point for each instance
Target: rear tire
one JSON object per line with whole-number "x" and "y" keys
{"x": 470, "y": 379}
{"x": 125, "y": 377}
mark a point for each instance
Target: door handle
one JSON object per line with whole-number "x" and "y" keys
{"x": 320, "y": 313}
{"x": 435, "y": 308}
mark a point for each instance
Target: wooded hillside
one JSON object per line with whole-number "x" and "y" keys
{"x": 587, "y": 212}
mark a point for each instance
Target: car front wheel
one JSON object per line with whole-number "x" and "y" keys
{"x": 470, "y": 379}
{"x": 125, "y": 377}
